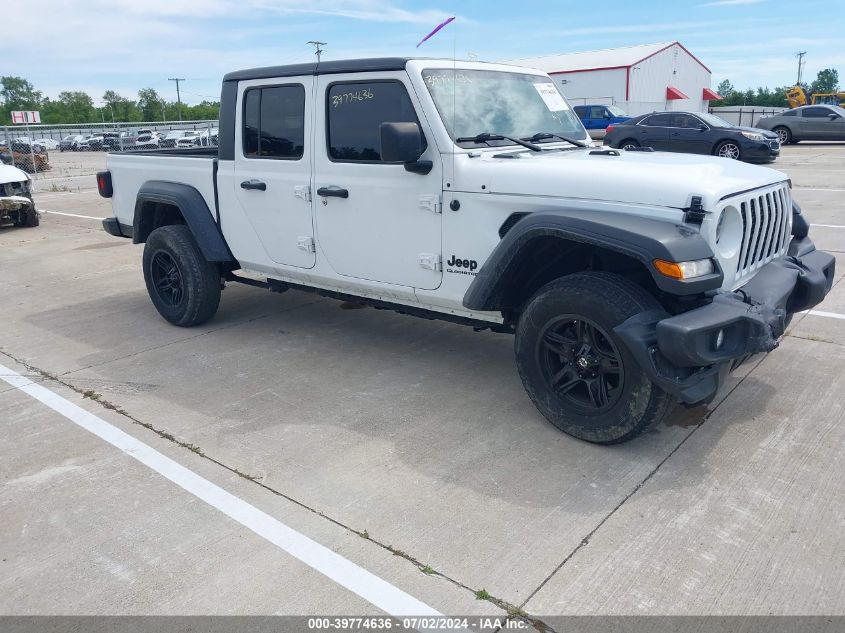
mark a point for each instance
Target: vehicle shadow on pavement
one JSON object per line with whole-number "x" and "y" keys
{"x": 293, "y": 389}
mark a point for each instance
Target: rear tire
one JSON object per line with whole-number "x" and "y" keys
{"x": 183, "y": 286}
{"x": 576, "y": 370}
{"x": 628, "y": 142}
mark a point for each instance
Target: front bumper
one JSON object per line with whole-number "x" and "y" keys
{"x": 761, "y": 151}
{"x": 690, "y": 355}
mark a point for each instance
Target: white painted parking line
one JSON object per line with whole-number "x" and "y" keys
{"x": 830, "y": 226}
{"x": 816, "y": 189}
{"x": 344, "y": 572}
{"x": 822, "y": 313}
{"x": 72, "y": 215}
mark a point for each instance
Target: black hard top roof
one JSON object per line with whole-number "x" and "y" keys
{"x": 323, "y": 68}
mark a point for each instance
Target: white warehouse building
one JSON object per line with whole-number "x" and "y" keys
{"x": 638, "y": 79}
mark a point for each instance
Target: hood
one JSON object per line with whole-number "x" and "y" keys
{"x": 11, "y": 174}
{"x": 766, "y": 133}
{"x": 646, "y": 178}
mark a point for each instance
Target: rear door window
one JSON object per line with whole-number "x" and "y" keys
{"x": 274, "y": 122}
{"x": 657, "y": 120}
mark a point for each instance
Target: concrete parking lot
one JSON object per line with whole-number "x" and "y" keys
{"x": 407, "y": 449}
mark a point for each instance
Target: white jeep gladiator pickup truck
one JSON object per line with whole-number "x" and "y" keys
{"x": 471, "y": 192}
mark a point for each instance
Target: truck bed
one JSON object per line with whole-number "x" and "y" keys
{"x": 130, "y": 170}
{"x": 191, "y": 152}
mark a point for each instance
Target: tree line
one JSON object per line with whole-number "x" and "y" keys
{"x": 76, "y": 106}
{"x": 826, "y": 81}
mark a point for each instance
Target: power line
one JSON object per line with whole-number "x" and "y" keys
{"x": 178, "y": 96}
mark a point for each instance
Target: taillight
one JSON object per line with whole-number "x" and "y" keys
{"x": 104, "y": 184}
{"x": 609, "y": 127}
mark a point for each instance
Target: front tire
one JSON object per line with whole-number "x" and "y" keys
{"x": 183, "y": 286}
{"x": 728, "y": 149}
{"x": 576, "y": 370}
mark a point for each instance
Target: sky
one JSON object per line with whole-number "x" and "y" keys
{"x": 125, "y": 45}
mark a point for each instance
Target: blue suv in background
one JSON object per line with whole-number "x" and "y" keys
{"x": 596, "y": 118}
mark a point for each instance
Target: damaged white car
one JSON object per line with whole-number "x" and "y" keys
{"x": 16, "y": 204}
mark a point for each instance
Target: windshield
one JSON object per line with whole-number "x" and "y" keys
{"x": 712, "y": 120}
{"x": 616, "y": 110}
{"x": 471, "y": 102}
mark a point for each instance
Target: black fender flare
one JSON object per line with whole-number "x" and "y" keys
{"x": 644, "y": 239}
{"x": 197, "y": 216}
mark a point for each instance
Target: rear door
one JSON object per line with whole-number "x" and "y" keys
{"x": 653, "y": 131}
{"x": 375, "y": 220}
{"x": 273, "y": 161}
{"x": 687, "y": 136}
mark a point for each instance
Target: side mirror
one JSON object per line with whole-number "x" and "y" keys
{"x": 833, "y": 116}
{"x": 702, "y": 127}
{"x": 400, "y": 142}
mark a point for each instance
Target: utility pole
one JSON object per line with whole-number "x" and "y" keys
{"x": 317, "y": 50}
{"x": 800, "y": 56}
{"x": 178, "y": 96}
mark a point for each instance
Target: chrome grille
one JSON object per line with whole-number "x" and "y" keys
{"x": 766, "y": 225}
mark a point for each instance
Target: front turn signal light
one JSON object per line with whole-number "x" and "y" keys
{"x": 684, "y": 270}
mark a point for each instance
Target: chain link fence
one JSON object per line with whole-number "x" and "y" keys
{"x": 29, "y": 147}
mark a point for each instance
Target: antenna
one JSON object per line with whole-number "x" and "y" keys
{"x": 800, "y": 56}
{"x": 317, "y": 50}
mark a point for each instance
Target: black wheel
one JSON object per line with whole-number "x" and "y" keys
{"x": 183, "y": 286}
{"x": 784, "y": 134}
{"x": 31, "y": 218}
{"x": 576, "y": 370}
{"x": 728, "y": 149}
{"x": 628, "y": 143}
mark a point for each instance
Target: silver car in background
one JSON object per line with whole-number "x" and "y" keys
{"x": 807, "y": 123}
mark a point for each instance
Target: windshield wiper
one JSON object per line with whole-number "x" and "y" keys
{"x": 486, "y": 137}
{"x": 540, "y": 136}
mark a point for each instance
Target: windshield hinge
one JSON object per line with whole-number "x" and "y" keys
{"x": 695, "y": 213}
{"x": 431, "y": 203}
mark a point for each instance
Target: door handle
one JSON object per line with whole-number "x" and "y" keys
{"x": 254, "y": 184}
{"x": 332, "y": 192}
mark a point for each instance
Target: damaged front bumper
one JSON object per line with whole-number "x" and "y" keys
{"x": 12, "y": 206}
{"x": 690, "y": 355}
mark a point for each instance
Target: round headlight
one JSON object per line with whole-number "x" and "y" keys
{"x": 729, "y": 232}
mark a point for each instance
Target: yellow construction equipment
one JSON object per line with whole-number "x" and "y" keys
{"x": 797, "y": 96}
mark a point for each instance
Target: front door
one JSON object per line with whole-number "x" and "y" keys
{"x": 816, "y": 123}
{"x": 375, "y": 220}
{"x": 273, "y": 161}
{"x": 687, "y": 136}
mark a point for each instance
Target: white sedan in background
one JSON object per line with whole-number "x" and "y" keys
{"x": 191, "y": 138}
{"x": 48, "y": 143}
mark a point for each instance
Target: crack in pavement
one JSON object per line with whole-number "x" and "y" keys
{"x": 586, "y": 540}
{"x": 513, "y": 611}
